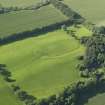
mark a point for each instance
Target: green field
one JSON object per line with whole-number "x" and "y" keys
{"x": 27, "y": 20}
{"x": 46, "y": 64}
{"x": 97, "y": 100}
{"x": 80, "y": 31}
{"x": 43, "y": 65}
{"x": 92, "y": 10}
{"x": 20, "y": 3}
{"x": 7, "y": 97}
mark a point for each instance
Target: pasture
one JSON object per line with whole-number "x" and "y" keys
{"x": 43, "y": 65}
{"x": 92, "y": 10}
{"x": 15, "y": 22}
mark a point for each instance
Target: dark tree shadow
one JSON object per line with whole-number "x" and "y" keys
{"x": 84, "y": 98}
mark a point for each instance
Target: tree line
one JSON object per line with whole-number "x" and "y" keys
{"x": 16, "y": 8}
{"x": 94, "y": 57}
{"x": 67, "y": 11}
{"x": 34, "y": 32}
{"x": 5, "y": 73}
{"x": 22, "y": 95}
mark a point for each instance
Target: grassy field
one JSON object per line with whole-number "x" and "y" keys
{"x": 97, "y": 100}
{"x": 27, "y": 20}
{"x": 43, "y": 65}
{"x": 92, "y": 10}
{"x": 20, "y": 3}
{"x": 80, "y": 31}
{"x": 7, "y": 96}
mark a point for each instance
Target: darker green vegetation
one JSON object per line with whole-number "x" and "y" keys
{"x": 5, "y": 73}
{"x": 38, "y": 5}
{"x": 24, "y": 96}
{"x": 71, "y": 33}
{"x": 75, "y": 17}
{"x": 94, "y": 57}
{"x": 34, "y": 32}
{"x": 99, "y": 30}
{"x": 10, "y": 9}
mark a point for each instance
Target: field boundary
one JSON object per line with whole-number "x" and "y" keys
{"x": 4, "y": 10}
{"x": 33, "y": 33}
